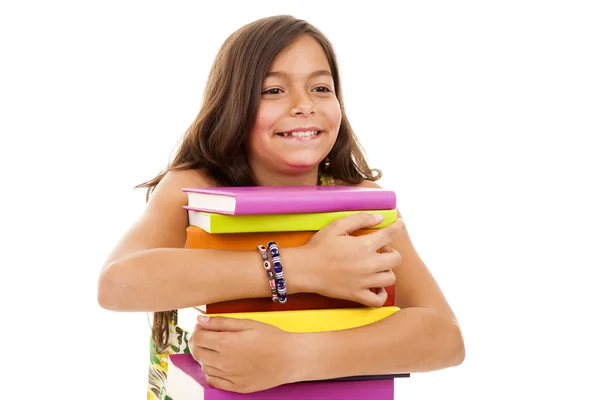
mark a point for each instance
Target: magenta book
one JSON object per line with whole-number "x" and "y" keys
{"x": 186, "y": 381}
{"x": 245, "y": 200}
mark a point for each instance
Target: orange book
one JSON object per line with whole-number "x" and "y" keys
{"x": 200, "y": 239}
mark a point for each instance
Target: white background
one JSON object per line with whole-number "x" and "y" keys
{"x": 482, "y": 116}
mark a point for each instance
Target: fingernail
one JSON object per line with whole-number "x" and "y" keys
{"x": 202, "y": 319}
{"x": 378, "y": 218}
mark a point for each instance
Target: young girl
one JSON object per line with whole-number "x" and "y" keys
{"x": 273, "y": 114}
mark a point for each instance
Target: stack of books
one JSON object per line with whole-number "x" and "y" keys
{"x": 240, "y": 218}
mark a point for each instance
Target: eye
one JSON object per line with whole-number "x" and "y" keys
{"x": 272, "y": 91}
{"x": 322, "y": 89}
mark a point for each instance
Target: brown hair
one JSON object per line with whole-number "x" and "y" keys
{"x": 217, "y": 139}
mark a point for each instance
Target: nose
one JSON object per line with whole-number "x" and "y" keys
{"x": 302, "y": 105}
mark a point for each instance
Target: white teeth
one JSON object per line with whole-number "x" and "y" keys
{"x": 300, "y": 134}
{"x": 304, "y": 134}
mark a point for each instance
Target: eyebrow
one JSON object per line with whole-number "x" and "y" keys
{"x": 322, "y": 72}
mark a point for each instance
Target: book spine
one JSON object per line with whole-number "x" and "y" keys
{"x": 317, "y": 320}
{"x": 187, "y": 381}
{"x": 323, "y": 202}
{"x": 299, "y": 301}
{"x": 287, "y": 222}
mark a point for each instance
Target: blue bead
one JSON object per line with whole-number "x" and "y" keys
{"x": 277, "y": 268}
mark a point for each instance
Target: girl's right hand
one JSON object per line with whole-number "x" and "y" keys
{"x": 343, "y": 266}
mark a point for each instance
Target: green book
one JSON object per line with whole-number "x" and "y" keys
{"x": 222, "y": 223}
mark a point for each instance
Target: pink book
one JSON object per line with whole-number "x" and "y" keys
{"x": 186, "y": 381}
{"x": 245, "y": 200}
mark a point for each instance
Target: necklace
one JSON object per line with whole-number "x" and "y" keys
{"x": 326, "y": 179}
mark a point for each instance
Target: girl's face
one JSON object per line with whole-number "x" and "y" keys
{"x": 298, "y": 118}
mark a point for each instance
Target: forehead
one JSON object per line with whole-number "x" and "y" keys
{"x": 302, "y": 57}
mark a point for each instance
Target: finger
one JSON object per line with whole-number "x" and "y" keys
{"x": 205, "y": 356}
{"x": 386, "y": 249}
{"x": 383, "y": 236}
{"x": 382, "y": 296}
{"x": 382, "y": 279}
{"x": 385, "y": 261}
{"x": 222, "y": 324}
{"x": 390, "y": 257}
{"x": 212, "y": 371}
{"x": 373, "y": 299}
{"x": 207, "y": 339}
{"x": 354, "y": 222}
{"x": 219, "y": 383}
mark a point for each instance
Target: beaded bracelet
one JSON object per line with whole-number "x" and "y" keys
{"x": 278, "y": 268}
{"x": 263, "y": 252}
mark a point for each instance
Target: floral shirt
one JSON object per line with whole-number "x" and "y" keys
{"x": 159, "y": 362}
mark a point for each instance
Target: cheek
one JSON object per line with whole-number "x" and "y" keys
{"x": 261, "y": 125}
{"x": 266, "y": 117}
{"x": 334, "y": 115}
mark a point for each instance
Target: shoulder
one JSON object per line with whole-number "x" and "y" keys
{"x": 191, "y": 177}
{"x": 171, "y": 185}
{"x": 365, "y": 183}
{"x": 369, "y": 184}
{"x": 164, "y": 221}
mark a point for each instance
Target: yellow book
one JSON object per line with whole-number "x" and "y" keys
{"x": 301, "y": 320}
{"x": 222, "y": 223}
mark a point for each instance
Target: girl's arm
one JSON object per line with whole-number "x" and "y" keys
{"x": 173, "y": 278}
{"x": 415, "y": 339}
{"x": 149, "y": 270}
{"x": 423, "y": 336}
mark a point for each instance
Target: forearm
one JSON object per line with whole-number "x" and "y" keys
{"x": 175, "y": 278}
{"x": 410, "y": 340}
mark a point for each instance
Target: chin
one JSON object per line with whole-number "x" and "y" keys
{"x": 299, "y": 165}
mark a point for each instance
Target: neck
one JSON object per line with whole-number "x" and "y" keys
{"x": 273, "y": 178}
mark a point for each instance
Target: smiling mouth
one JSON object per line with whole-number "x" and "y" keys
{"x": 306, "y": 134}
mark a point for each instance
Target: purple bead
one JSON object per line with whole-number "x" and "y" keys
{"x": 277, "y": 267}
{"x": 274, "y": 251}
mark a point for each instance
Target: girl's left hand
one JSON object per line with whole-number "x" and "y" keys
{"x": 241, "y": 355}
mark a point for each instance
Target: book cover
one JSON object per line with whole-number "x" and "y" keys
{"x": 220, "y": 223}
{"x": 186, "y": 381}
{"x": 300, "y": 320}
{"x": 245, "y": 200}
{"x": 197, "y": 238}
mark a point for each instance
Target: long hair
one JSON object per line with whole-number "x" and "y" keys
{"x": 217, "y": 140}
